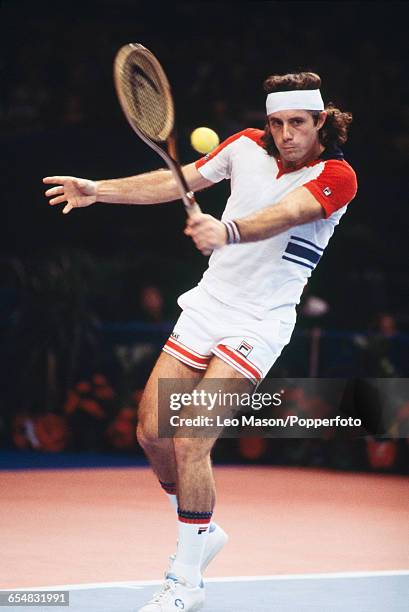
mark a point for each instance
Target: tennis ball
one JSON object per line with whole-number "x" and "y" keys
{"x": 204, "y": 139}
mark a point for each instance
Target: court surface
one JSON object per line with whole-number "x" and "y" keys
{"x": 360, "y": 592}
{"x": 300, "y": 539}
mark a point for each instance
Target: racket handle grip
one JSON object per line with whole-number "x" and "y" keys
{"x": 192, "y": 207}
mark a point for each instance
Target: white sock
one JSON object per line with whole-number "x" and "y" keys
{"x": 191, "y": 543}
{"x": 173, "y": 501}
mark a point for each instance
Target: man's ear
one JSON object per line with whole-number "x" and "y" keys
{"x": 322, "y": 119}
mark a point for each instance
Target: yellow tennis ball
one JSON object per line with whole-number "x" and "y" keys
{"x": 204, "y": 139}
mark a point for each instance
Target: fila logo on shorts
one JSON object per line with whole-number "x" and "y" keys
{"x": 174, "y": 347}
{"x": 238, "y": 362}
{"x": 244, "y": 348}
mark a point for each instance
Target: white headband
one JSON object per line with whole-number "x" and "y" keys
{"x": 298, "y": 99}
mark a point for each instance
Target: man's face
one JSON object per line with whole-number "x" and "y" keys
{"x": 295, "y": 133}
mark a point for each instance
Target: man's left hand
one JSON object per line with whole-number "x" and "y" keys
{"x": 206, "y": 232}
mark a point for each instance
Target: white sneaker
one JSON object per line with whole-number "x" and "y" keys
{"x": 216, "y": 539}
{"x": 174, "y": 596}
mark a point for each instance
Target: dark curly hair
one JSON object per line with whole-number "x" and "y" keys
{"x": 335, "y": 129}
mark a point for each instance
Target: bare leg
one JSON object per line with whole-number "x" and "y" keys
{"x": 196, "y": 489}
{"x": 160, "y": 452}
{"x": 195, "y": 483}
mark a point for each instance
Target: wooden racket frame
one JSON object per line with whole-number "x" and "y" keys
{"x": 168, "y": 154}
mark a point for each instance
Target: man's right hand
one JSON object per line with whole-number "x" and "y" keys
{"x": 76, "y": 192}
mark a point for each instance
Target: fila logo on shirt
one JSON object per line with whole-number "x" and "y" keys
{"x": 202, "y": 530}
{"x": 244, "y": 348}
{"x": 327, "y": 191}
{"x": 175, "y": 336}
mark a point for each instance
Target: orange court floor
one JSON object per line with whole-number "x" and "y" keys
{"x": 73, "y": 526}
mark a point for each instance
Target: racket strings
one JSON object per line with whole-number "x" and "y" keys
{"x": 146, "y": 97}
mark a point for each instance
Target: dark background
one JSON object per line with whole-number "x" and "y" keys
{"x": 59, "y": 115}
{"x": 64, "y": 277}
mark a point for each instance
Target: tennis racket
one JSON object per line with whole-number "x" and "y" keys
{"x": 146, "y": 99}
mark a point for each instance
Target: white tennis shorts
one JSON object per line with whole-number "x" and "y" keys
{"x": 209, "y": 327}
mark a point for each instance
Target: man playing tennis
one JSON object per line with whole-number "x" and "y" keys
{"x": 289, "y": 188}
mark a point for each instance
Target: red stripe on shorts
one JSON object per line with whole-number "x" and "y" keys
{"x": 185, "y": 352}
{"x": 244, "y": 363}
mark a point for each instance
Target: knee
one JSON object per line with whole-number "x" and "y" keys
{"x": 147, "y": 425}
{"x": 146, "y": 434}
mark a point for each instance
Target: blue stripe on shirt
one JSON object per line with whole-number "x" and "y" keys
{"x": 301, "y": 263}
{"x": 306, "y": 242}
{"x": 301, "y": 251}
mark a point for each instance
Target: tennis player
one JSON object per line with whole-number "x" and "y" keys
{"x": 290, "y": 186}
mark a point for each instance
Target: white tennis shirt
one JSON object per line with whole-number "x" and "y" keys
{"x": 269, "y": 275}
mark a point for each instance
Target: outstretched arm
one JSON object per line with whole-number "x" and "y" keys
{"x": 149, "y": 188}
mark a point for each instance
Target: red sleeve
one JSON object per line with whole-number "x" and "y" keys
{"x": 335, "y": 186}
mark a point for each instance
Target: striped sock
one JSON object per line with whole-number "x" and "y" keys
{"x": 193, "y": 533}
{"x": 170, "y": 490}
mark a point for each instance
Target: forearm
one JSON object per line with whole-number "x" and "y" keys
{"x": 297, "y": 208}
{"x": 149, "y": 188}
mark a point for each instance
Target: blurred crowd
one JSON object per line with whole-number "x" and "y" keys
{"x": 216, "y": 65}
{"x": 74, "y": 380}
